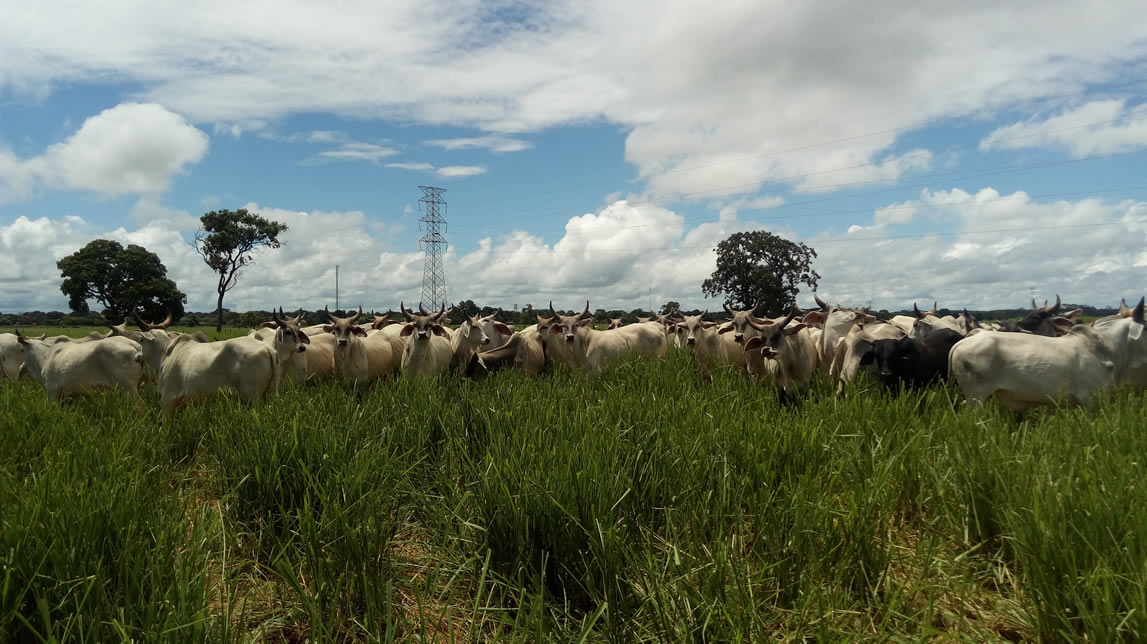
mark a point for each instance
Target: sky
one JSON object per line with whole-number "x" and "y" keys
{"x": 971, "y": 153}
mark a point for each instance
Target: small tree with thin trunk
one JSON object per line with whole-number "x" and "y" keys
{"x": 228, "y": 241}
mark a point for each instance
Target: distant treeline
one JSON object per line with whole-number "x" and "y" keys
{"x": 527, "y": 315}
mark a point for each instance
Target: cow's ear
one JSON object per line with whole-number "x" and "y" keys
{"x": 557, "y": 329}
{"x": 813, "y": 318}
{"x": 438, "y": 329}
{"x": 584, "y": 321}
{"x": 406, "y": 330}
{"x": 708, "y": 325}
{"x": 358, "y": 330}
{"x": 270, "y": 325}
{"x": 754, "y": 343}
{"x": 328, "y": 328}
{"x": 725, "y": 329}
{"x": 794, "y": 328}
{"x": 302, "y": 337}
{"x": 502, "y": 328}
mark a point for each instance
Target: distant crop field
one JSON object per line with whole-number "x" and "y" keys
{"x": 647, "y": 504}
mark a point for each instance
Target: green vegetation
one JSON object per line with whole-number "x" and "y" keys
{"x": 643, "y": 505}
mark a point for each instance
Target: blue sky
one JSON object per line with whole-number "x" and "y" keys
{"x": 584, "y": 157}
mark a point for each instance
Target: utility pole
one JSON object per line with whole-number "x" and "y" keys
{"x": 337, "y": 288}
{"x": 433, "y": 244}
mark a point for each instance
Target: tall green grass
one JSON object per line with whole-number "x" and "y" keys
{"x": 647, "y": 504}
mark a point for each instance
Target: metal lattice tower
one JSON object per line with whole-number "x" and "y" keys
{"x": 433, "y": 224}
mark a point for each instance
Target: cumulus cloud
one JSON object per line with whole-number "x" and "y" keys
{"x": 989, "y": 250}
{"x": 803, "y": 90}
{"x": 129, "y": 148}
{"x": 492, "y": 142}
{"x": 626, "y": 254}
{"x": 1094, "y": 128}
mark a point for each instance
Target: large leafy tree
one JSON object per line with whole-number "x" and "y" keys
{"x": 125, "y": 280}
{"x": 758, "y": 267}
{"x": 228, "y": 242}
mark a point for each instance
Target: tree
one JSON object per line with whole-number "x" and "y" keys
{"x": 758, "y": 267}
{"x": 670, "y": 307}
{"x": 228, "y": 241}
{"x": 125, "y": 280}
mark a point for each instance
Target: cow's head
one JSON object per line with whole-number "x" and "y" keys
{"x": 1040, "y": 320}
{"x": 773, "y": 334}
{"x": 568, "y": 325}
{"x": 380, "y": 321}
{"x": 893, "y": 359}
{"x": 692, "y": 327}
{"x": 615, "y": 323}
{"x": 343, "y": 328}
{"x": 839, "y": 319}
{"x": 472, "y": 332}
{"x": 741, "y": 323}
{"x": 147, "y": 326}
{"x": 288, "y": 330}
{"x": 421, "y": 327}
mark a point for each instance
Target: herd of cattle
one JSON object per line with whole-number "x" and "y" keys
{"x": 1048, "y": 357}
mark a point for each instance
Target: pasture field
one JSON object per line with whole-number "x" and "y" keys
{"x": 646, "y": 504}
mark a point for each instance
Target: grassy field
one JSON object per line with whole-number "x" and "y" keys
{"x": 643, "y": 505}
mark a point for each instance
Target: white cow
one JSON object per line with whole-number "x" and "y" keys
{"x": 193, "y": 370}
{"x": 1024, "y": 370}
{"x": 526, "y": 351}
{"x": 73, "y": 368}
{"x": 595, "y": 350}
{"x": 427, "y": 351}
{"x": 735, "y": 333}
{"x": 287, "y": 339}
{"x": 466, "y": 341}
{"x": 791, "y": 347}
{"x": 361, "y": 357}
{"x": 701, "y": 338}
{"x": 11, "y": 356}
{"x": 837, "y": 322}
{"x": 498, "y": 332}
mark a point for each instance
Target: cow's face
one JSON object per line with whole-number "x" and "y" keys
{"x": 290, "y": 332}
{"x": 33, "y": 348}
{"x": 1137, "y": 335}
{"x": 421, "y": 327}
{"x": 1041, "y": 319}
{"x": 773, "y": 333}
{"x": 892, "y": 358}
{"x": 566, "y": 326}
{"x": 472, "y": 331}
{"x": 692, "y": 328}
{"x": 740, "y": 326}
{"x": 344, "y": 328}
{"x": 614, "y": 323}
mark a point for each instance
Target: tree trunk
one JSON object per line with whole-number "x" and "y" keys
{"x": 219, "y": 313}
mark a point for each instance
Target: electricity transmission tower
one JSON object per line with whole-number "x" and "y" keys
{"x": 433, "y": 224}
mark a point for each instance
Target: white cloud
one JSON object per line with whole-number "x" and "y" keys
{"x": 1094, "y": 128}
{"x": 355, "y": 151}
{"x": 492, "y": 142}
{"x": 748, "y": 110}
{"x": 129, "y": 148}
{"x": 1001, "y": 245}
{"x": 411, "y": 165}
{"x": 446, "y": 171}
{"x": 625, "y": 254}
{"x": 460, "y": 170}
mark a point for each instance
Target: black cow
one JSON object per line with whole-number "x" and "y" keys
{"x": 915, "y": 363}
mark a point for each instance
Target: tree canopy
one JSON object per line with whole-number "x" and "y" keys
{"x": 124, "y": 280}
{"x": 758, "y": 267}
{"x": 228, "y": 241}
